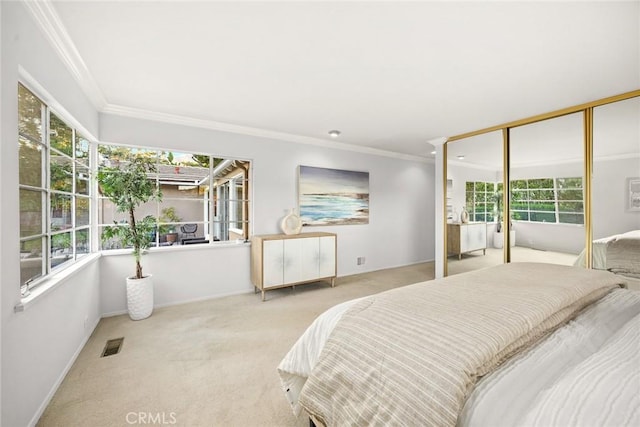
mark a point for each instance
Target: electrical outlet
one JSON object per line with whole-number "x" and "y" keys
{"x": 360, "y": 260}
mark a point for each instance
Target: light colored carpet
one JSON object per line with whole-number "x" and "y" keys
{"x": 210, "y": 363}
{"x": 476, "y": 260}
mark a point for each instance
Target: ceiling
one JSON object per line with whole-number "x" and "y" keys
{"x": 389, "y": 75}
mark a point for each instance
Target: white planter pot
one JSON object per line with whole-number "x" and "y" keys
{"x": 498, "y": 239}
{"x": 140, "y": 297}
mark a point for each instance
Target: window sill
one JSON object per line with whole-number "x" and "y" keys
{"x": 205, "y": 246}
{"x": 52, "y": 282}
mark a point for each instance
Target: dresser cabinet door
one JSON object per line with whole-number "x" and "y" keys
{"x": 476, "y": 237}
{"x": 300, "y": 259}
{"x": 273, "y": 262}
{"x": 327, "y": 257}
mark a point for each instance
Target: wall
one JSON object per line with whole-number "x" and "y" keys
{"x": 400, "y": 231}
{"x": 39, "y": 344}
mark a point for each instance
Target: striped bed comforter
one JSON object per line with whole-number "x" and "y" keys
{"x": 411, "y": 356}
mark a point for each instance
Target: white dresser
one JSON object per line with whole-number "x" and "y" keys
{"x": 467, "y": 237}
{"x": 280, "y": 260}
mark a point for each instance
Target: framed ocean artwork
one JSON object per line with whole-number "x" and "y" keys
{"x": 332, "y": 196}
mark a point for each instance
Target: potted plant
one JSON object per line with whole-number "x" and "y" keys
{"x": 128, "y": 187}
{"x": 498, "y": 237}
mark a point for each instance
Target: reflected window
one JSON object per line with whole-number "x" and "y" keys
{"x": 480, "y": 200}
{"x": 552, "y": 200}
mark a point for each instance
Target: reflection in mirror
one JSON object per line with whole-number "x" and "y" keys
{"x": 616, "y": 187}
{"x": 547, "y": 201}
{"x": 474, "y": 179}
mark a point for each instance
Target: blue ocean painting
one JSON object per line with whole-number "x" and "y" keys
{"x": 333, "y": 196}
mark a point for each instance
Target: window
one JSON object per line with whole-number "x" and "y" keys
{"x": 204, "y": 198}
{"x": 555, "y": 200}
{"x": 480, "y": 200}
{"x": 54, "y": 182}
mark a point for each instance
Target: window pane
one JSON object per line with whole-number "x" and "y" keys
{"x": 469, "y": 186}
{"x": 517, "y": 184}
{"x": 82, "y": 149}
{"x": 83, "y": 246}
{"x": 31, "y": 161}
{"x": 540, "y": 206}
{"x": 113, "y": 155}
{"x": 469, "y": 199}
{"x": 570, "y": 207}
{"x": 490, "y": 187}
{"x": 107, "y": 213}
{"x": 29, "y": 114}
{"x": 519, "y": 206}
{"x": 60, "y": 135}
{"x": 571, "y": 218}
{"x": 61, "y": 173}
{"x": 83, "y": 178}
{"x": 541, "y": 183}
{"x": 520, "y": 215}
{"x": 542, "y": 216}
{"x": 61, "y": 251}
{"x": 541, "y": 195}
{"x": 82, "y": 211}
{"x": 570, "y": 195}
{"x": 31, "y": 263}
{"x": 61, "y": 218}
{"x": 177, "y": 212}
{"x": 479, "y": 186}
{"x": 109, "y": 243}
{"x": 569, "y": 182}
{"x": 30, "y": 212}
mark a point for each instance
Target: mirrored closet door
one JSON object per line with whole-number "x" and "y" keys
{"x": 546, "y": 190}
{"x": 615, "y": 179}
{"x": 474, "y": 185}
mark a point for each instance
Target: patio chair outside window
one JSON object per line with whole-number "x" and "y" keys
{"x": 188, "y": 230}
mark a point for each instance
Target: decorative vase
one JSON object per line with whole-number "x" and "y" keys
{"x": 291, "y": 223}
{"x": 464, "y": 216}
{"x": 140, "y": 297}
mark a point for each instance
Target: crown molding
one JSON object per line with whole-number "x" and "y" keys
{"x": 54, "y": 31}
{"x": 139, "y": 113}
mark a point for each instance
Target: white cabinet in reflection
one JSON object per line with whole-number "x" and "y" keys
{"x": 280, "y": 260}
{"x": 467, "y": 237}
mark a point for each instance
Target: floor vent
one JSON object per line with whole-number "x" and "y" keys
{"x": 112, "y": 347}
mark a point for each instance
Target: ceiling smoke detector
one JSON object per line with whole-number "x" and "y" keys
{"x": 334, "y": 133}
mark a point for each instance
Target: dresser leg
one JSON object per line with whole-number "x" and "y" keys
{"x": 263, "y": 295}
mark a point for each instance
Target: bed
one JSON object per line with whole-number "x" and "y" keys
{"x": 619, "y": 253}
{"x": 516, "y": 344}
